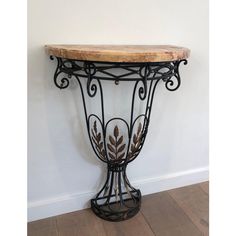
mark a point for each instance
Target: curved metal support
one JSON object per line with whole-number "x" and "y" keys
{"x": 117, "y": 200}
{"x": 169, "y": 82}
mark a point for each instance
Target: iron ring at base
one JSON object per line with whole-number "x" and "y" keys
{"x": 105, "y": 213}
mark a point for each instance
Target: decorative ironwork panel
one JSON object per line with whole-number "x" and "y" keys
{"x": 117, "y": 200}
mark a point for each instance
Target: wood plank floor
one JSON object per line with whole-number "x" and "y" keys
{"x": 178, "y": 212}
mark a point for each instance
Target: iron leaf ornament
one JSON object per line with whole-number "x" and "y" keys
{"x": 116, "y": 146}
{"x": 137, "y": 138}
{"x": 99, "y": 145}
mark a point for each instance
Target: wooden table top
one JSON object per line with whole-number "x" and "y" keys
{"x": 119, "y": 53}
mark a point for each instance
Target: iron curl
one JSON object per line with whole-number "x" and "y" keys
{"x": 90, "y": 70}
{"x": 60, "y": 82}
{"x": 170, "y": 84}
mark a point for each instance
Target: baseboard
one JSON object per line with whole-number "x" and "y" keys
{"x": 68, "y": 203}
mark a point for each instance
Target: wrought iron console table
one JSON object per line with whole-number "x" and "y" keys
{"x": 144, "y": 66}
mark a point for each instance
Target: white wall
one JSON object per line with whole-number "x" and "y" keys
{"x": 63, "y": 172}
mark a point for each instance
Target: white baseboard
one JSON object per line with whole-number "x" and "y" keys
{"x": 68, "y": 203}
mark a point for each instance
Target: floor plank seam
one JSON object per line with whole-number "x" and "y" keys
{"x": 203, "y": 190}
{"x": 57, "y": 228}
{"x": 147, "y": 222}
{"x": 186, "y": 214}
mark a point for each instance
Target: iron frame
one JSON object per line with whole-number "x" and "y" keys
{"x": 117, "y": 200}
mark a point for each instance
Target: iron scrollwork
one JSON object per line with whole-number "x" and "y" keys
{"x": 117, "y": 200}
{"x": 170, "y": 84}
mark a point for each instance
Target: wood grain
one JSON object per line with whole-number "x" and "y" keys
{"x": 205, "y": 187}
{"x": 43, "y": 232}
{"x": 165, "y": 217}
{"x": 45, "y": 227}
{"x": 119, "y": 53}
{"x": 136, "y": 226}
{"x": 194, "y": 201}
{"x": 80, "y": 223}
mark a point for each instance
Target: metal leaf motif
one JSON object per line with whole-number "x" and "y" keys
{"x": 137, "y": 138}
{"x": 116, "y": 131}
{"x": 96, "y": 138}
{"x": 115, "y": 146}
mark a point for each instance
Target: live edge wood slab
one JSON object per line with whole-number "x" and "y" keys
{"x": 119, "y": 53}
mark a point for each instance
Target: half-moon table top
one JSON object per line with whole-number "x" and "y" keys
{"x": 119, "y": 53}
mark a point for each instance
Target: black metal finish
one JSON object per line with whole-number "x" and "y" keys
{"x": 117, "y": 200}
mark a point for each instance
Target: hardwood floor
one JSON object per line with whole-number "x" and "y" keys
{"x": 178, "y": 212}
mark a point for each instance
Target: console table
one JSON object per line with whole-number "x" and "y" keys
{"x": 117, "y": 141}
